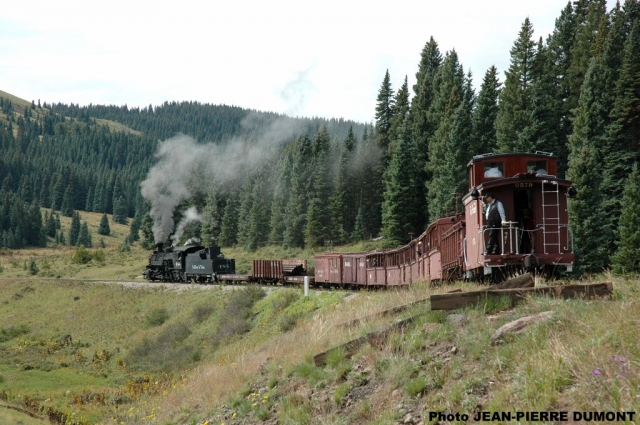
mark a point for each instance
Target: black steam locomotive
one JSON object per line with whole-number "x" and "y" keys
{"x": 188, "y": 263}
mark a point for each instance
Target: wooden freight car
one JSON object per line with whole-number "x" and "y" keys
{"x": 535, "y": 234}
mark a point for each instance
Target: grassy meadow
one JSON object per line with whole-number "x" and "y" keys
{"x": 74, "y": 350}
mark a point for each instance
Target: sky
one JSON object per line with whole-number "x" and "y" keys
{"x": 323, "y": 58}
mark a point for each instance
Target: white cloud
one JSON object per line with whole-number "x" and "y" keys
{"x": 248, "y": 52}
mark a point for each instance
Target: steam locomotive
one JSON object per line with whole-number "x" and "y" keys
{"x": 188, "y": 263}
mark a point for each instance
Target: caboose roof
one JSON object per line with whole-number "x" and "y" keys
{"x": 489, "y": 156}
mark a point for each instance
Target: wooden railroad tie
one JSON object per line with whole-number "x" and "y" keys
{"x": 464, "y": 299}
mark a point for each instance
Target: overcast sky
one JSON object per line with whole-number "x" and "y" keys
{"x": 304, "y": 58}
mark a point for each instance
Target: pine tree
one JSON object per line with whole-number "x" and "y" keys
{"x": 400, "y": 113}
{"x": 120, "y": 211}
{"x": 229, "y": 230}
{"x": 515, "y": 98}
{"x": 295, "y": 212}
{"x": 483, "y": 139}
{"x": 384, "y": 112}
{"x": 627, "y": 258}
{"x": 444, "y": 154}
{"x": 84, "y": 238}
{"x": 423, "y": 127}
{"x": 622, "y": 146}
{"x": 104, "y": 228}
{"x": 74, "y": 230}
{"x": 399, "y": 210}
{"x": 66, "y": 207}
{"x": 317, "y": 223}
{"x": 586, "y": 214}
{"x": 258, "y": 228}
{"x": 211, "y": 218}
{"x": 339, "y": 203}
{"x": 590, "y": 20}
{"x": 360, "y": 230}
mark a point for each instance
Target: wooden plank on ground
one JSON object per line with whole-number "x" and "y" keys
{"x": 388, "y": 312}
{"x": 375, "y": 338}
{"x": 459, "y": 300}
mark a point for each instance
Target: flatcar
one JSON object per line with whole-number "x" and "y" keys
{"x": 535, "y": 235}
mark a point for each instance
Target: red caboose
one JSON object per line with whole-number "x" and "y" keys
{"x": 536, "y": 232}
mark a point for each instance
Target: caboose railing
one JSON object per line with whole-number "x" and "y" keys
{"x": 509, "y": 238}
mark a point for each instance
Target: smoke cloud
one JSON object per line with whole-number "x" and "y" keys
{"x": 190, "y": 215}
{"x": 184, "y": 166}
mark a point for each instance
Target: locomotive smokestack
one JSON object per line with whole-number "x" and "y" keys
{"x": 160, "y": 247}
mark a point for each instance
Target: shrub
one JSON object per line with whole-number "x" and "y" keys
{"x": 341, "y": 393}
{"x": 11, "y": 332}
{"x": 157, "y": 317}
{"x": 33, "y": 267}
{"x": 99, "y": 256}
{"x": 416, "y": 386}
{"x": 167, "y": 351}
{"x": 236, "y": 318}
{"x": 81, "y": 256}
{"x": 202, "y": 312}
{"x": 125, "y": 246}
{"x": 283, "y": 299}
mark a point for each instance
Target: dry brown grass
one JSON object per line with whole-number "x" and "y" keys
{"x": 240, "y": 364}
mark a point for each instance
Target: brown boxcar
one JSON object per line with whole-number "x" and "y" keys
{"x": 328, "y": 269}
{"x": 354, "y": 270}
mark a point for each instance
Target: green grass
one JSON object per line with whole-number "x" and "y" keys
{"x": 191, "y": 351}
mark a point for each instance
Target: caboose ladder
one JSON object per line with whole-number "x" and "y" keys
{"x": 550, "y": 216}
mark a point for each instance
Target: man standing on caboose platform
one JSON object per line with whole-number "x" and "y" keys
{"x": 494, "y": 214}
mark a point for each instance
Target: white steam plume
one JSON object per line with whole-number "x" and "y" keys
{"x": 184, "y": 165}
{"x": 190, "y": 215}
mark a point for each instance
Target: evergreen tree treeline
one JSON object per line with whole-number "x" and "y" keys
{"x": 575, "y": 94}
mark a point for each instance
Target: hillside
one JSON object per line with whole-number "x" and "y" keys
{"x": 107, "y": 353}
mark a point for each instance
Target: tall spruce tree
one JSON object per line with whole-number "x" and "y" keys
{"x": 104, "y": 228}
{"x": 399, "y": 211}
{"x": 84, "y": 238}
{"x": 423, "y": 127}
{"x": 384, "y": 112}
{"x": 623, "y": 138}
{"x": 400, "y": 114}
{"x": 444, "y": 154}
{"x": 295, "y": 212}
{"x": 627, "y": 257}
{"x": 483, "y": 138}
{"x": 66, "y": 207}
{"x": 341, "y": 202}
{"x": 74, "y": 229}
{"x": 586, "y": 214}
{"x": 120, "y": 210}
{"x": 515, "y": 99}
{"x": 317, "y": 214}
{"x": 229, "y": 230}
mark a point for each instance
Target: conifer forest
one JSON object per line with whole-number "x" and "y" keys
{"x": 250, "y": 178}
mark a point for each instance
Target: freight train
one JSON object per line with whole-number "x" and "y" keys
{"x": 534, "y": 235}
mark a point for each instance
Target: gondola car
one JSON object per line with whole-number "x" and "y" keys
{"x": 536, "y": 235}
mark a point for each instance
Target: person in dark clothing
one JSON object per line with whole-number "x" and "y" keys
{"x": 494, "y": 215}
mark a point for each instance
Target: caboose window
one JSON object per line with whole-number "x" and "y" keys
{"x": 537, "y": 167}
{"x": 493, "y": 169}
